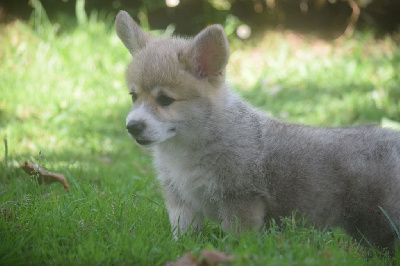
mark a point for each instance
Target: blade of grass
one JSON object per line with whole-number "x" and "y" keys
{"x": 391, "y": 222}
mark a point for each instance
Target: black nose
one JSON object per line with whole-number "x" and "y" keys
{"x": 135, "y": 127}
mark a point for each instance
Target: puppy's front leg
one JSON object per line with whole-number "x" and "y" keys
{"x": 181, "y": 214}
{"x": 245, "y": 213}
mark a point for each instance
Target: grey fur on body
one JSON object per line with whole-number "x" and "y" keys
{"x": 219, "y": 158}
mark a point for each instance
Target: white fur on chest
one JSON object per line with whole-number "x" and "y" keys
{"x": 191, "y": 179}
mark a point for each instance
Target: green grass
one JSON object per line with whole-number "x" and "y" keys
{"x": 63, "y": 104}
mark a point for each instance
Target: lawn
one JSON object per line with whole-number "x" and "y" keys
{"x": 63, "y": 104}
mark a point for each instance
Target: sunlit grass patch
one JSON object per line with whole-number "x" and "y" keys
{"x": 307, "y": 80}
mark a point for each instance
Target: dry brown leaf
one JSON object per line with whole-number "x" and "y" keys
{"x": 213, "y": 257}
{"x": 106, "y": 160}
{"x": 186, "y": 260}
{"x": 44, "y": 176}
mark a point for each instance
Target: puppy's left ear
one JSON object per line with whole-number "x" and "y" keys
{"x": 133, "y": 37}
{"x": 210, "y": 52}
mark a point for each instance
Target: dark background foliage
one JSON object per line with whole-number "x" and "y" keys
{"x": 326, "y": 18}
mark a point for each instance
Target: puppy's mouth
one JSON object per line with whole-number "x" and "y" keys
{"x": 146, "y": 142}
{"x": 143, "y": 142}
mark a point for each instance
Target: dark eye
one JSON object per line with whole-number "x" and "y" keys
{"x": 164, "y": 100}
{"x": 133, "y": 95}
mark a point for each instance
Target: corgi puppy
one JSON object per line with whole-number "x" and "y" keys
{"x": 219, "y": 158}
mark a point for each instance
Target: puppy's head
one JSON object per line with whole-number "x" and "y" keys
{"x": 173, "y": 82}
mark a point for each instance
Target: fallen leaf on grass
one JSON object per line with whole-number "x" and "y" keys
{"x": 213, "y": 257}
{"x": 209, "y": 258}
{"x": 106, "y": 160}
{"x": 42, "y": 175}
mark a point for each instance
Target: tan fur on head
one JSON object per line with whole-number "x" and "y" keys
{"x": 205, "y": 56}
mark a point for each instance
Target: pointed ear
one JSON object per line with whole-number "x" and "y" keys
{"x": 210, "y": 52}
{"x": 133, "y": 37}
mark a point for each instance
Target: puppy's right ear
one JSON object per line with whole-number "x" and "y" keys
{"x": 133, "y": 37}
